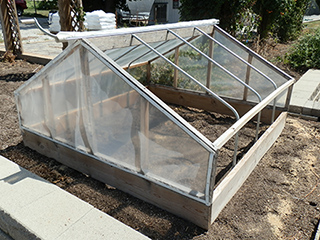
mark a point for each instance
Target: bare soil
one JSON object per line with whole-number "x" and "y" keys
{"x": 280, "y": 199}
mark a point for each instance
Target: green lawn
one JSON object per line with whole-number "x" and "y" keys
{"x": 32, "y": 12}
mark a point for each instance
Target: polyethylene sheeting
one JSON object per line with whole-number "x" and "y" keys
{"x": 256, "y": 80}
{"x": 87, "y": 105}
{"x": 139, "y": 54}
{"x": 227, "y": 72}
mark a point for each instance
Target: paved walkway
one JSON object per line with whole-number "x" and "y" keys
{"x": 36, "y": 42}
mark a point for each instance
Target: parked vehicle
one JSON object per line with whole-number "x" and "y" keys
{"x": 21, "y": 5}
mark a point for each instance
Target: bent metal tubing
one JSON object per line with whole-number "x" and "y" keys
{"x": 209, "y": 172}
{"x": 229, "y": 73}
{"x": 245, "y": 62}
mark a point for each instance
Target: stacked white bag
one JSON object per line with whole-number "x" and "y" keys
{"x": 54, "y": 22}
{"x": 99, "y": 20}
{"x": 96, "y": 20}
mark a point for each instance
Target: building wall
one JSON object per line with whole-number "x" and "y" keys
{"x": 172, "y": 14}
{"x": 173, "y": 11}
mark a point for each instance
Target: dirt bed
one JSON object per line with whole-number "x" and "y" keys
{"x": 280, "y": 199}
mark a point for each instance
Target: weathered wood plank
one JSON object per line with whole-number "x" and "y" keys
{"x": 245, "y": 91}
{"x": 189, "y": 209}
{"x": 182, "y": 206}
{"x": 237, "y": 176}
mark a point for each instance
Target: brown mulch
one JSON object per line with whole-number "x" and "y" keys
{"x": 280, "y": 199}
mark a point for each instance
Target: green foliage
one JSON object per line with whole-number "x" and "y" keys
{"x": 227, "y": 11}
{"x": 47, "y": 5}
{"x": 286, "y": 19}
{"x": 162, "y": 73}
{"x": 31, "y": 12}
{"x": 305, "y": 54}
{"x": 81, "y": 14}
{"x": 139, "y": 73}
{"x": 246, "y": 25}
{"x": 280, "y": 18}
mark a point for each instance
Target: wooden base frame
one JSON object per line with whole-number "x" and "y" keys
{"x": 189, "y": 209}
{"x": 141, "y": 188}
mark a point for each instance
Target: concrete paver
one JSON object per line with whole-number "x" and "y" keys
{"x": 32, "y": 208}
{"x": 303, "y": 99}
{"x": 103, "y": 226}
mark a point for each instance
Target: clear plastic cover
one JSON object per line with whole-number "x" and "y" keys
{"x": 223, "y": 77}
{"x": 87, "y": 105}
{"x": 139, "y": 54}
{"x": 256, "y": 80}
{"x": 226, "y": 73}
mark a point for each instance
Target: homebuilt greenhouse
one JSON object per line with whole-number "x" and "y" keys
{"x": 117, "y": 105}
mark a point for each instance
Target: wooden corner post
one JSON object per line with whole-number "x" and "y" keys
{"x": 10, "y": 27}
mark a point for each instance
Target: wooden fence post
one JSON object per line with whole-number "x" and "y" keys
{"x": 71, "y": 16}
{"x": 10, "y": 27}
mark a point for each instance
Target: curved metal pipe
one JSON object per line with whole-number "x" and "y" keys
{"x": 44, "y": 31}
{"x": 248, "y": 64}
{"x": 237, "y": 56}
{"x": 218, "y": 65}
{"x": 228, "y": 72}
{"x": 202, "y": 86}
{"x": 189, "y": 76}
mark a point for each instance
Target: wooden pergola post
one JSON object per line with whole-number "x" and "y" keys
{"x": 71, "y": 16}
{"x": 10, "y": 27}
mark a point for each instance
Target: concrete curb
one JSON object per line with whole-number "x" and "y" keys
{"x": 32, "y": 208}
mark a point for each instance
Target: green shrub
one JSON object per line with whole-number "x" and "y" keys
{"x": 48, "y": 5}
{"x": 289, "y": 23}
{"x": 305, "y": 54}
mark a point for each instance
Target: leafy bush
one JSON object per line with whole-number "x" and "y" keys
{"x": 226, "y": 11}
{"x": 280, "y": 18}
{"x": 48, "y": 5}
{"x": 289, "y": 22}
{"x": 305, "y": 54}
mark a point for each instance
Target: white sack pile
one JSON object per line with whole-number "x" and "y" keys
{"x": 99, "y": 20}
{"x": 96, "y": 20}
